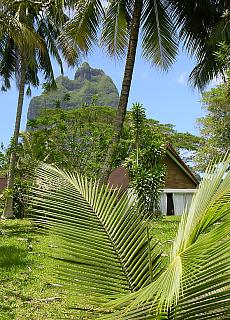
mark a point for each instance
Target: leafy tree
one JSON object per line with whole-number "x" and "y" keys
{"x": 158, "y": 20}
{"x": 209, "y": 54}
{"x": 215, "y": 126}
{"x": 83, "y": 145}
{"x": 75, "y": 139}
{"x": 223, "y": 57}
{"x": 3, "y": 161}
{"x": 29, "y": 30}
{"x": 118, "y": 258}
{"x": 144, "y": 161}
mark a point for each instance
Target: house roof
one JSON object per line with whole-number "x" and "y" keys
{"x": 177, "y": 159}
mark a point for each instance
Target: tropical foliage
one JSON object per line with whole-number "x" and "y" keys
{"x": 28, "y": 31}
{"x": 105, "y": 247}
{"x": 215, "y": 125}
{"x": 74, "y": 139}
{"x": 144, "y": 162}
{"x": 83, "y": 146}
{"x": 162, "y": 25}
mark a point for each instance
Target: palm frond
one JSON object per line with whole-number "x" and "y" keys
{"x": 83, "y": 27}
{"x": 159, "y": 41}
{"x": 104, "y": 241}
{"x": 115, "y": 31}
{"x": 196, "y": 284}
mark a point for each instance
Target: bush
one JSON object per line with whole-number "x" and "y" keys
{"x": 20, "y": 198}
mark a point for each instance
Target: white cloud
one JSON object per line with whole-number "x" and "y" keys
{"x": 182, "y": 79}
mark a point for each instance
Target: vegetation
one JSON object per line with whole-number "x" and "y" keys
{"x": 88, "y": 252}
{"x": 90, "y": 86}
{"x": 27, "y": 34}
{"x": 144, "y": 162}
{"x": 28, "y": 285}
{"x": 157, "y": 21}
{"x": 121, "y": 257}
{"x": 83, "y": 146}
{"x": 215, "y": 125}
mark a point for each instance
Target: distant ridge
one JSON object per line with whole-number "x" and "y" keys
{"x": 89, "y": 84}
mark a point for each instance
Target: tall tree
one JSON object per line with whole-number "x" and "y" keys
{"x": 158, "y": 22}
{"x": 215, "y": 125}
{"x": 28, "y": 30}
{"x": 217, "y": 31}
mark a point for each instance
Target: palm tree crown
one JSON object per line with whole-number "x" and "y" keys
{"x": 28, "y": 32}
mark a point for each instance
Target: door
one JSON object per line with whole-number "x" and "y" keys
{"x": 170, "y": 205}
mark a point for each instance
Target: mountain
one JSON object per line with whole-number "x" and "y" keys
{"x": 89, "y": 85}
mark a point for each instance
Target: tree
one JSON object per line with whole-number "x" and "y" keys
{"x": 74, "y": 139}
{"x": 146, "y": 170}
{"x": 209, "y": 66}
{"x": 215, "y": 126}
{"x": 105, "y": 250}
{"x": 158, "y": 20}
{"x": 83, "y": 146}
{"x": 28, "y": 30}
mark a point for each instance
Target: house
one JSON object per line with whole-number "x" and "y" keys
{"x": 180, "y": 184}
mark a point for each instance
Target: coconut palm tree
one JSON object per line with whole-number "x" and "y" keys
{"x": 208, "y": 66}
{"x": 158, "y": 21}
{"x": 28, "y": 30}
{"x": 105, "y": 250}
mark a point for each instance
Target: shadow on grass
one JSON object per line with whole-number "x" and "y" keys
{"x": 11, "y": 256}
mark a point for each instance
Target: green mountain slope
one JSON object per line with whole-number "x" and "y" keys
{"x": 88, "y": 84}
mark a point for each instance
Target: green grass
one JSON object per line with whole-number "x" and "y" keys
{"x": 165, "y": 231}
{"x": 26, "y": 264}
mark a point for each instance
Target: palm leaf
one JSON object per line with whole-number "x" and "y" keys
{"x": 115, "y": 32}
{"x": 104, "y": 243}
{"x": 83, "y": 27}
{"x": 159, "y": 42}
{"x": 196, "y": 284}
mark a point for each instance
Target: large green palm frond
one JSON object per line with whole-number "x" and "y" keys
{"x": 28, "y": 28}
{"x": 115, "y": 32}
{"x": 82, "y": 29}
{"x": 159, "y": 40}
{"x": 196, "y": 284}
{"x": 16, "y": 36}
{"x": 105, "y": 247}
{"x": 196, "y": 21}
{"x": 208, "y": 66}
{"x": 206, "y": 69}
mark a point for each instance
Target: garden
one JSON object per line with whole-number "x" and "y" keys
{"x": 74, "y": 243}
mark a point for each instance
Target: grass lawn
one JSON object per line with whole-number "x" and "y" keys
{"x": 28, "y": 290}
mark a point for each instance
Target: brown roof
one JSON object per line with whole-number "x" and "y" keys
{"x": 176, "y": 158}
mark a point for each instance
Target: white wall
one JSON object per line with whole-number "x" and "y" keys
{"x": 181, "y": 199}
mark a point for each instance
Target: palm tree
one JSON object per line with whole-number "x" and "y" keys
{"x": 217, "y": 30}
{"x": 28, "y": 30}
{"x": 158, "y": 21}
{"x": 105, "y": 250}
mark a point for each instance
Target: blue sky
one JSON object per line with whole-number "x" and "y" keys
{"x": 166, "y": 96}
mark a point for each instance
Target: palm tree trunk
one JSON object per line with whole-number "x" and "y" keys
{"x": 126, "y": 84}
{"x": 8, "y": 209}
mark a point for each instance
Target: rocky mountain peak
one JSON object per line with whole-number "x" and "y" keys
{"x": 88, "y": 82}
{"x": 85, "y": 72}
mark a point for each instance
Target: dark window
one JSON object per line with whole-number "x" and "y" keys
{"x": 170, "y": 205}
